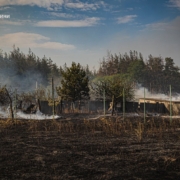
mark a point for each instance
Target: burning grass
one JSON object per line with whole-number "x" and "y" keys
{"x": 82, "y": 148}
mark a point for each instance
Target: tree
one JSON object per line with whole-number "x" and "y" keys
{"x": 89, "y": 73}
{"x": 171, "y": 75}
{"x": 6, "y": 99}
{"x": 113, "y": 87}
{"x": 74, "y": 85}
{"x": 22, "y": 71}
{"x": 153, "y": 76}
{"x": 136, "y": 70}
{"x": 114, "y": 64}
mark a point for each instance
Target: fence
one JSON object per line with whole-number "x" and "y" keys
{"x": 98, "y": 107}
{"x": 69, "y": 107}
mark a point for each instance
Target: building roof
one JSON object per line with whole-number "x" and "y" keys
{"x": 160, "y": 100}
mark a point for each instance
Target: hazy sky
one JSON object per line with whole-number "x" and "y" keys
{"x": 83, "y": 30}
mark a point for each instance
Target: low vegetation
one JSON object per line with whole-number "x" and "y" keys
{"x": 82, "y": 148}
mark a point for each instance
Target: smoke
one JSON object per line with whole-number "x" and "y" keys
{"x": 3, "y": 113}
{"x": 23, "y": 82}
{"x": 21, "y": 71}
{"x": 38, "y": 115}
{"x": 139, "y": 93}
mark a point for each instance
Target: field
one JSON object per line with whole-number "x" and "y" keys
{"x": 77, "y": 148}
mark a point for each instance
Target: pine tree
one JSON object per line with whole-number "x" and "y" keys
{"x": 74, "y": 85}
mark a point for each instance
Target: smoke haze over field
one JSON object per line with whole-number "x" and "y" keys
{"x": 25, "y": 82}
{"x": 4, "y": 113}
{"x": 38, "y": 115}
{"x": 22, "y": 71}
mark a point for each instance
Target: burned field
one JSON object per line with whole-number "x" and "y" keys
{"x": 82, "y": 148}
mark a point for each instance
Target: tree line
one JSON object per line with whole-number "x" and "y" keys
{"x": 154, "y": 73}
{"x": 116, "y": 73}
{"x": 22, "y": 71}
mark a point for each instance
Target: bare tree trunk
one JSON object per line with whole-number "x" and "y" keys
{"x": 11, "y": 107}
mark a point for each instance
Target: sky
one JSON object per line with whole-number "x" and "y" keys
{"x": 83, "y": 31}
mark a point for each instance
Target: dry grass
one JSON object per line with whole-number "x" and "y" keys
{"x": 80, "y": 148}
{"x": 132, "y": 127}
{"x": 139, "y": 131}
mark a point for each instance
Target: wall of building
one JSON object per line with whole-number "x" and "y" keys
{"x": 154, "y": 108}
{"x": 175, "y": 107}
{"x": 160, "y": 106}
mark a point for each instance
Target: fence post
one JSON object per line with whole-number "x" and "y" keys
{"x": 104, "y": 103}
{"x": 170, "y": 104}
{"x": 15, "y": 103}
{"x": 36, "y": 91}
{"x": 123, "y": 104}
{"x": 88, "y": 106}
{"x": 53, "y": 96}
{"x": 144, "y": 107}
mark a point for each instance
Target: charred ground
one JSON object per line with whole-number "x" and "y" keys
{"x": 78, "y": 148}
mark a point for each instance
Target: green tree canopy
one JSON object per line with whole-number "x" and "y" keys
{"x": 114, "y": 86}
{"x": 74, "y": 85}
{"x": 136, "y": 70}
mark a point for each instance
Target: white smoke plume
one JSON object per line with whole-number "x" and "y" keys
{"x": 24, "y": 83}
{"x": 4, "y": 113}
{"x": 38, "y": 115}
{"x": 139, "y": 93}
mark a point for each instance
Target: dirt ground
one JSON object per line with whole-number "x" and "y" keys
{"x": 78, "y": 148}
